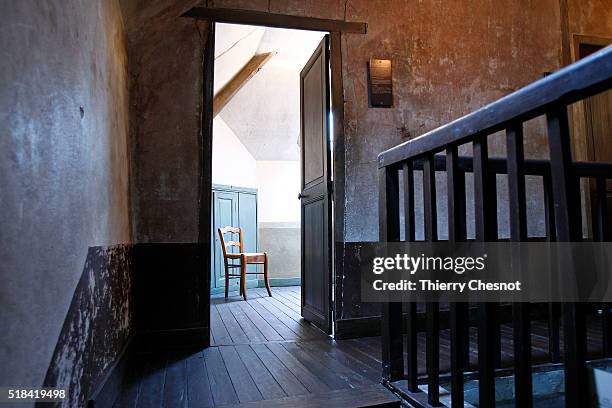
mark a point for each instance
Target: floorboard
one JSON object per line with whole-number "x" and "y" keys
{"x": 285, "y": 378}
{"x": 199, "y": 393}
{"x": 263, "y": 353}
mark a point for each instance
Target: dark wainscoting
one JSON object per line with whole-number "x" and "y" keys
{"x": 355, "y": 318}
{"x": 171, "y": 295}
{"x": 97, "y": 326}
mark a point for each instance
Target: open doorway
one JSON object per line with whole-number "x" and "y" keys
{"x": 265, "y": 171}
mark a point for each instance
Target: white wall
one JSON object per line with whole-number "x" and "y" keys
{"x": 278, "y": 184}
{"x": 232, "y": 163}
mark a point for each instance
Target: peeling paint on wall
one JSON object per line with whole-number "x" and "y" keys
{"x": 97, "y": 326}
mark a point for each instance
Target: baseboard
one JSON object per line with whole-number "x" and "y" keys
{"x": 278, "y": 282}
{"x": 357, "y": 327}
{"x": 108, "y": 390}
{"x": 156, "y": 340}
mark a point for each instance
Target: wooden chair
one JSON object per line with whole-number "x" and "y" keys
{"x": 245, "y": 259}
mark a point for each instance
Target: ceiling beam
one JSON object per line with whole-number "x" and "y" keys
{"x": 247, "y": 72}
{"x": 232, "y": 16}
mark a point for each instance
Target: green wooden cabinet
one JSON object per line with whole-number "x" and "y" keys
{"x": 235, "y": 206}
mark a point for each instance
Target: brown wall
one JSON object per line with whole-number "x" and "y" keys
{"x": 592, "y": 17}
{"x": 449, "y": 58}
{"x": 165, "y": 66}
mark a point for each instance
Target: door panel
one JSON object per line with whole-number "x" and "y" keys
{"x": 313, "y": 111}
{"x": 598, "y": 120}
{"x": 247, "y": 214}
{"x": 315, "y": 194}
{"x": 225, "y": 213}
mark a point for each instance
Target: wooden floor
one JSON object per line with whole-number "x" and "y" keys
{"x": 261, "y": 318}
{"x": 263, "y": 350}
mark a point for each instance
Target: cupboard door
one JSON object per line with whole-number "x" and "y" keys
{"x": 225, "y": 212}
{"x": 247, "y": 216}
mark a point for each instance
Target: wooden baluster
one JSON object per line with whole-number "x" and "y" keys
{"x": 391, "y": 315}
{"x": 566, "y": 196}
{"x": 459, "y": 322}
{"x": 432, "y": 312}
{"x": 485, "y": 203}
{"x": 521, "y": 317}
{"x": 554, "y": 308}
{"x": 602, "y": 234}
{"x": 411, "y": 307}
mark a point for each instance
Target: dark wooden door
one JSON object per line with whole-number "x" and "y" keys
{"x": 316, "y": 184}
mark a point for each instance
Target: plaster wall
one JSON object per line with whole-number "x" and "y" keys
{"x": 441, "y": 71}
{"x": 591, "y": 18}
{"x": 166, "y": 73}
{"x": 278, "y": 185}
{"x": 232, "y": 163}
{"x": 64, "y": 179}
{"x": 265, "y": 113}
{"x": 449, "y": 58}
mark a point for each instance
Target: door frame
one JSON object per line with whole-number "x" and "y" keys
{"x": 335, "y": 28}
{"x": 582, "y": 136}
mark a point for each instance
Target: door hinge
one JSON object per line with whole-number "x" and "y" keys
{"x": 330, "y": 187}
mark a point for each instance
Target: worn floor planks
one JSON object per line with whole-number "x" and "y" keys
{"x": 263, "y": 350}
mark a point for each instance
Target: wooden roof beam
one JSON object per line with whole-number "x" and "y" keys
{"x": 247, "y": 72}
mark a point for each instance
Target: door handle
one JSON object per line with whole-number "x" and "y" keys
{"x": 300, "y": 196}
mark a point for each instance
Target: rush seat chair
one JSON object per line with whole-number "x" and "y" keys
{"x": 244, "y": 258}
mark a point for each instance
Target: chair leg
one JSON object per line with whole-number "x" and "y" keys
{"x": 243, "y": 266}
{"x": 266, "y": 278}
{"x": 226, "y": 284}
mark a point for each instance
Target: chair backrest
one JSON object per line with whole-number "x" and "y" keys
{"x": 225, "y": 245}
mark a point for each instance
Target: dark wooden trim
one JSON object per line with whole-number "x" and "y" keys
{"x": 459, "y": 327}
{"x": 391, "y": 314}
{"x": 432, "y": 309}
{"x": 485, "y": 215}
{"x": 410, "y": 317}
{"x": 234, "y": 16}
{"x": 566, "y": 197}
{"x": 518, "y": 233}
{"x": 570, "y": 84}
{"x": 109, "y": 387}
{"x": 205, "y": 187}
{"x": 206, "y": 139}
{"x": 337, "y": 108}
{"x": 338, "y": 166}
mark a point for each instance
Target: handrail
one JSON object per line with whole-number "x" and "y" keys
{"x": 582, "y": 79}
{"x": 438, "y": 151}
{"x": 532, "y": 167}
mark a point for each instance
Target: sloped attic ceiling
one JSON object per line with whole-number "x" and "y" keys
{"x": 265, "y": 113}
{"x": 235, "y": 45}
